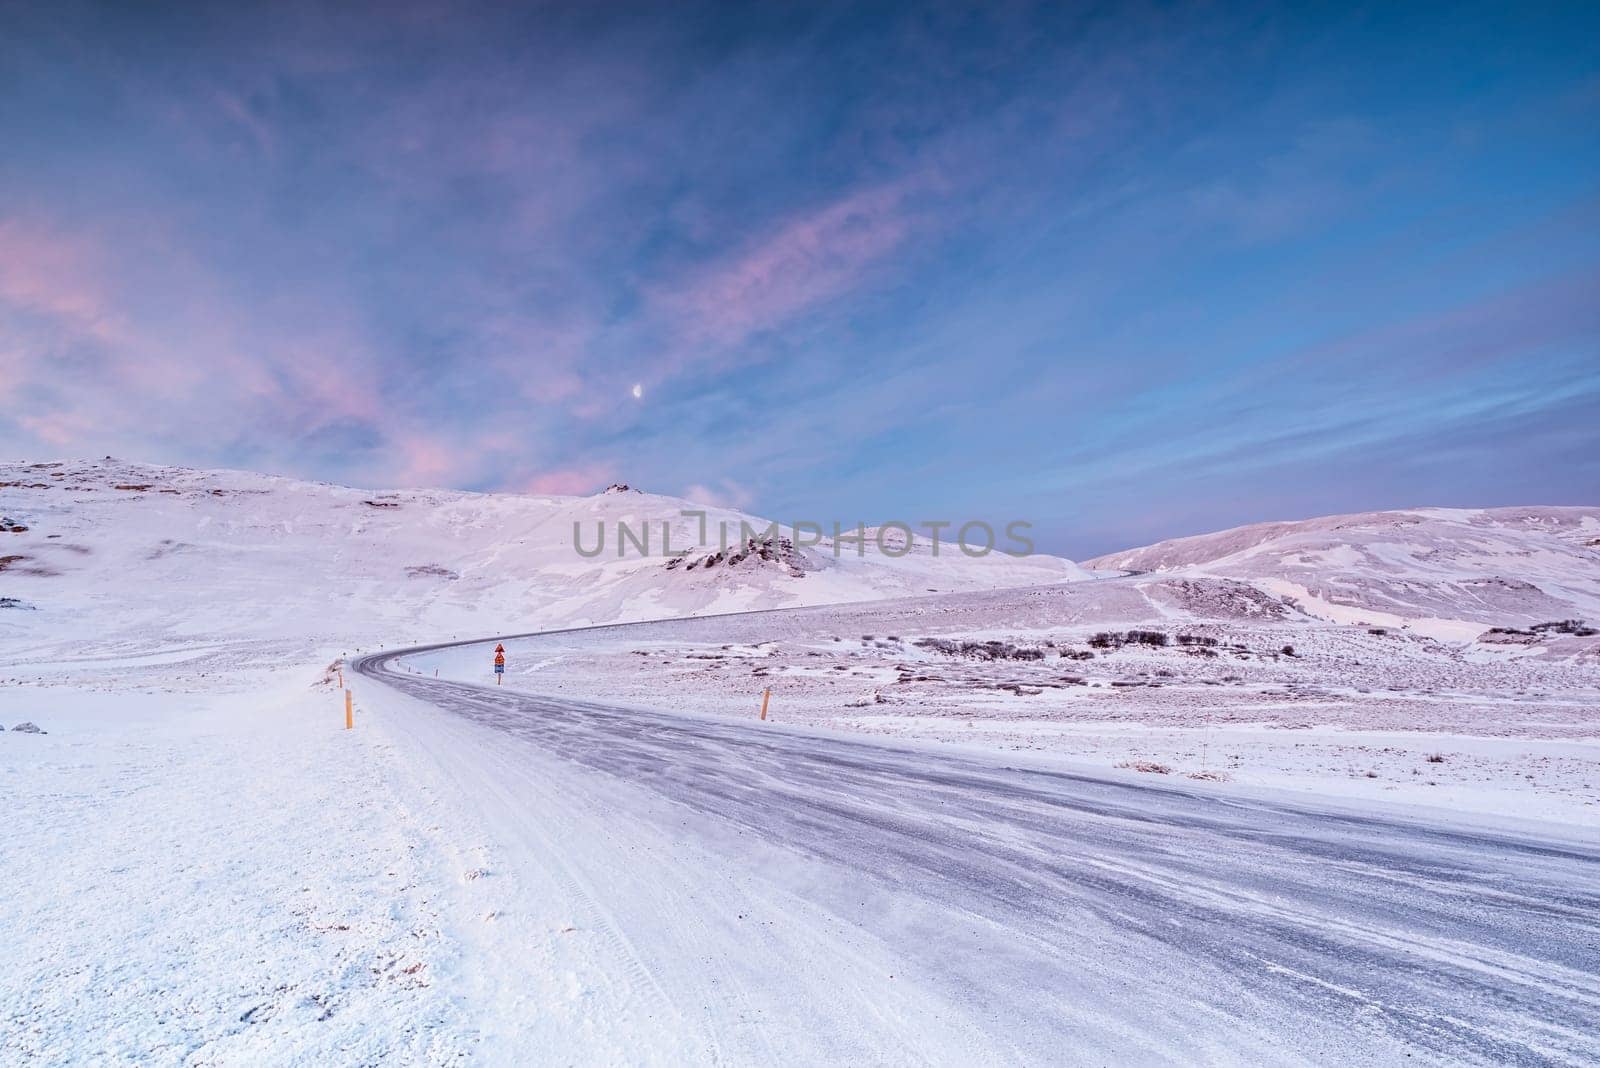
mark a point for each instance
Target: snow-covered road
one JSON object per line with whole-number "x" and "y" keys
{"x": 1022, "y": 914}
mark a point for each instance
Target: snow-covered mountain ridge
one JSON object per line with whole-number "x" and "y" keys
{"x": 1450, "y": 572}
{"x": 92, "y": 546}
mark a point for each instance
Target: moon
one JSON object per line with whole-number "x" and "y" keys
{"x": 638, "y": 390}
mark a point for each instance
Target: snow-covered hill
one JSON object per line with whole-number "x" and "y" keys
{"x": 1451, "y": 573}
{"x": 92, "y": 547}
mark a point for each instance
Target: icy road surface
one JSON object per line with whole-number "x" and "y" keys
{"x": 1038, "y": 916}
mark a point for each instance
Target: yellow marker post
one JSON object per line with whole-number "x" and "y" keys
{"x": 349, "y": 712}
{"x": 766, "y": 695}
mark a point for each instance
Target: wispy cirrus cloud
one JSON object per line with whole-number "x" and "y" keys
{"x": 803, "y": 261}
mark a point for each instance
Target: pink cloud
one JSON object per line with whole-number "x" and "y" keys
{"x": 805, "y": 261}
{"x": 426, "y": 461}
{"x": 570, "y": 481}
{"x": 59, "y": 429}
{"x": 325, "y": 371}
{"x": 105, "y": 359}
{"x": 725, "y": 494}
{"x": 56, "y": 275}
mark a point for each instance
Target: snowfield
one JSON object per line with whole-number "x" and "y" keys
{"x": 108, "y": 548}
{"x": 1450, "y": 573}
{"x": 217, "y": 876}
{"x": 1282, "y": 700}
{"x": 1313, "y": 792}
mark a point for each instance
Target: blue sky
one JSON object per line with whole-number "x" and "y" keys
{"x": 1126, "y": 272}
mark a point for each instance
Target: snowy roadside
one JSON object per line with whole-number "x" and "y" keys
{"x": 1331, "y": 711}
{"x": 206, "y": 869}
{"x": 196, "y": 877}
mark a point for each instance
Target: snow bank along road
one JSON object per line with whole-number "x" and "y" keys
{"x": 1024, "y": 915}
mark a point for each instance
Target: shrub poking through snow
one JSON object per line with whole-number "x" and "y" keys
{"x": 991, "y": 650}
{"x": 1149, "y": 766}
{"x": 1575, "y": 627}
{"x": 1110, "y": 639}
{"x": 330, "y": 674}
{"x": 29, "y": 728}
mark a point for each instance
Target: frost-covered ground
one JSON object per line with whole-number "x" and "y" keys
{"x": 210, "y": 871}
{"x": 1451, "y": 573}
{"x": 1243, "y": 689}
{"x": 201, "y": 866}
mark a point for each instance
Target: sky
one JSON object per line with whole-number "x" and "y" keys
{"x": 1123, "y": 272}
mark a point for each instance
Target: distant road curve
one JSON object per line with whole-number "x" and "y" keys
{"x": 1071, "y": 913}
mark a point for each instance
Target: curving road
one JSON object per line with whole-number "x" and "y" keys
{"x": 1068, "y": 918}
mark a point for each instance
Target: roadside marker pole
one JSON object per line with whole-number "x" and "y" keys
{"x": 766, "y": 696}
{"x": 349, "y": 712}
{"x": 341, "y": 678}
